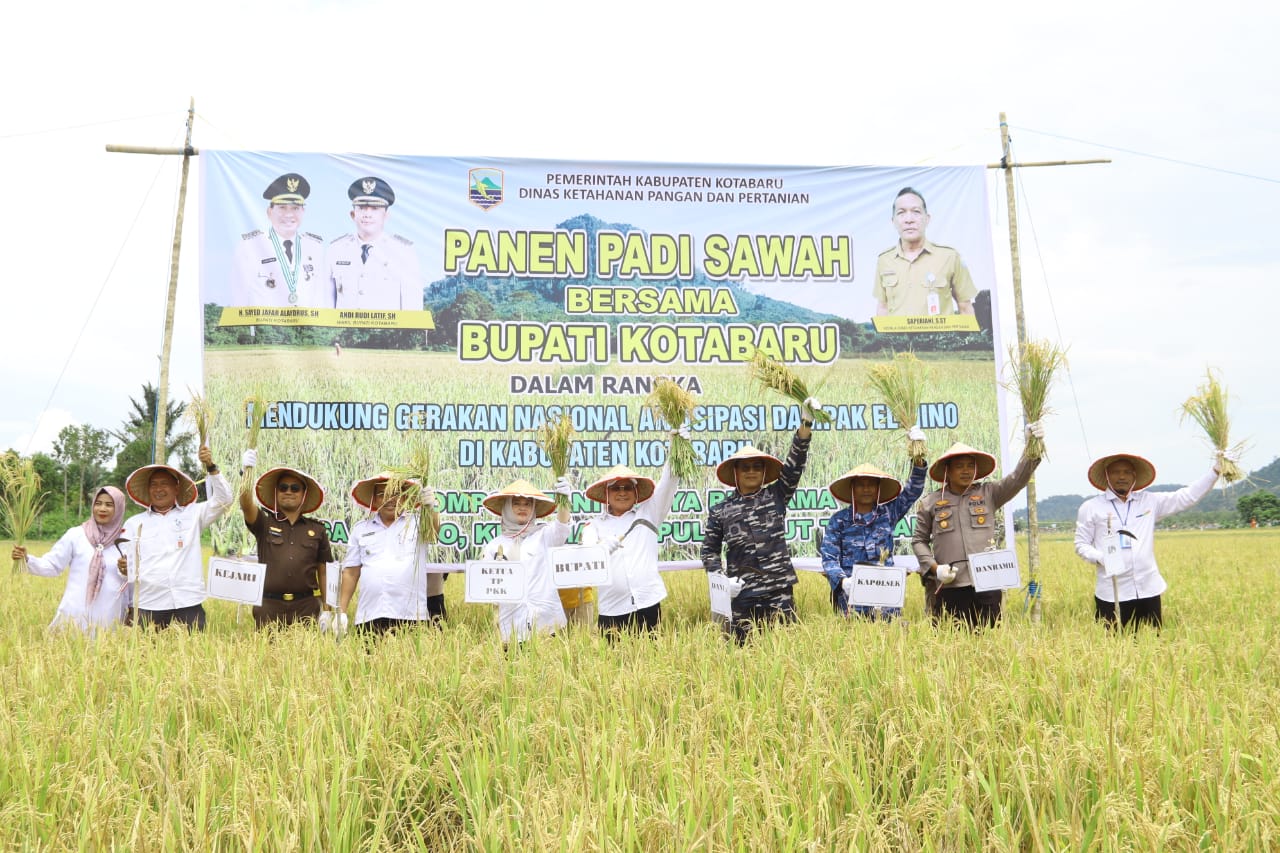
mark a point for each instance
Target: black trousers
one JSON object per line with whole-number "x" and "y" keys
{"x": 644, "y": 619}
{"x": 970, "y": 606}
{"x": 753, "y": 614}
{"x": 435, "y": 616}
{"x": 1137, "y": 611}
{"x": 192, "y": 617}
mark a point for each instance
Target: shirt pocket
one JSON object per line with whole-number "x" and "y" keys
{"x": 889, "y": 280}
{"x": 944, "y": 522}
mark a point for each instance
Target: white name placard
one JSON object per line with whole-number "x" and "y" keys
{"x": 575, "y": 566}
{"x": 995, "y": 570}
{"x": 1112, "y": 557}
{"x": 722, "y": 589}
{"x": 877, "y": 586}
{"x": 494, "y": 581}
{"x": 332, "y": 582}
{"x": 236, "y": 580}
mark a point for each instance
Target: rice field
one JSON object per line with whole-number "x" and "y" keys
{"x": 826, "y": 735}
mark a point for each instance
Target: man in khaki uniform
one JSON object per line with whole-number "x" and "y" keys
{"x": 917, "y": 278}
{"x": 959, "y": 520}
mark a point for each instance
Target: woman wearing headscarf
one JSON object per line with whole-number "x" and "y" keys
{"x": 520, "y": 504}
{"x": 92, "y": 555}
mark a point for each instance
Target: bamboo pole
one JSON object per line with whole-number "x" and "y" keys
{"x": 1033, "y": 520}
{"x": 160, "y": 454}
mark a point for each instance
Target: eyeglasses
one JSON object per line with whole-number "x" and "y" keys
{"x": 751, "y": 466}
{"x": 622, "y": 487}
{"x": 290, "y": 487}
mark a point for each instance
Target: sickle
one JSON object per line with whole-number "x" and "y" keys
{"x": 639, "y": 522}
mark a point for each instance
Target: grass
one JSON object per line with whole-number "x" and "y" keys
{"x": 827, "y": 735}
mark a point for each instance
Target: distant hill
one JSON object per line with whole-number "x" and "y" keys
{"x": 1065, "y": 507}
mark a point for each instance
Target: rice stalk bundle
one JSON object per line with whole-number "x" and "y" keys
{"x": 773, "y": 375}
{"x": 1033, "y": 376}
{"x": 20, "y": 499}
{"x": 1208, "y": 408}
{"x": 256, "y": 405}
{"x": 901, "y": 384}
{"x": 200, "y": 414}
{"x": 555, "y": 438}
{"x": 411, "y": 482}
{"x": 675, "y": 405}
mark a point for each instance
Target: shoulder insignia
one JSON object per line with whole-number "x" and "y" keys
{"x": 336, "y": 240}
{"x": 888, "y": 251}
{"x": 250, "y": 235}
{"x": 315, "y": 237}
{"x": 405, "y": 240}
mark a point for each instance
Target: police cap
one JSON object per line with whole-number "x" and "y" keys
{"x": 371, "y": 191}
{"x": 288, "y": 189}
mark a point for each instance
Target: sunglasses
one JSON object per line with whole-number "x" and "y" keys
{"x": 290, "y": 487}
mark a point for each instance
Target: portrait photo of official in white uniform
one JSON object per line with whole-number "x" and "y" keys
{"x": 373, "y": 269}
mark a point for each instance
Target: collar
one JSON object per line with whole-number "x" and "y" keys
{"x": 926, "y": 249}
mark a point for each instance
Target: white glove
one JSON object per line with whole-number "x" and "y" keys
{"x": 808, "y": 407}
{"x": 249, "y": 459}
{"x": 339, "y": 625}
{"x": 915, "y": 434}
{"x": 683, "y": 432}
{"x": 735, "y": 587}
{"x": 1035, "y": 429}
{"x": 946, "y": 573}
{"x": 325, "y": 621}
{"x": 563, "y": 487}
{"x": 611, "y": 543}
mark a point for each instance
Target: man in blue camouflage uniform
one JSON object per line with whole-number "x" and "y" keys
{"x": 751, "y": 526}
{"x": 863, "y": 531}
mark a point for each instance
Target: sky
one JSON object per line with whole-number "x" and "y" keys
{"x": 1148, "y": 270}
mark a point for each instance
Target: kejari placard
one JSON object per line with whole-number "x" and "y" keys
{"x": 380, "y": 301}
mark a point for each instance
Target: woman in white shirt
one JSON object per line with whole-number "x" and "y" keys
{"x": 97, "y": 590}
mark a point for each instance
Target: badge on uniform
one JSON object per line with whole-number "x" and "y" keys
{"x": 935, "y": 307}
{"x": 271, "y": 282}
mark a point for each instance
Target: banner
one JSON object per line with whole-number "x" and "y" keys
{"x": 382, "y": 301}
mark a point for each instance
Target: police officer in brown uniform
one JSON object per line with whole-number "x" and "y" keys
{"x": 959, "y": 520}
{"x": 281, "y": 267}
{"x": 916, "y": 277}
{"x": 294, "y": 548}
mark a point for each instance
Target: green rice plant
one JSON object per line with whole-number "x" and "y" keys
{"x": 1032, "y": 377}
{"x": 771, "y": 374}
{"x": 1208, "y": 408}
{"x": 902, "y": 384}
{"x": 256, "y": 405}
{"x": 411, "y": 482}
{"x": 21, "y": 500}
{"x": 675, "y": 406}
{"x": 200, "y": 415}
{"x": 555, "y": 439}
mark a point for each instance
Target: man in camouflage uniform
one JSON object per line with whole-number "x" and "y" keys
{"x": 746, "y": 533}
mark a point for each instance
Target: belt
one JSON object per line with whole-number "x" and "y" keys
{"x": 292, "y": 596}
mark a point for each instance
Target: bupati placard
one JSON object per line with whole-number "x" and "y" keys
{"x": 579, "y": 565}
{"x": 877, "y": 586}
{"x": 494, "y": 581}
{"x": 380, "y": 301}
{"x": 236, "y": 580}
{"x": 995, "y": 570}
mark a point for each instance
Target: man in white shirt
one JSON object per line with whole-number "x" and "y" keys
{"x": 634, "y": 509}
{"x": 372, "y": 269}
{"x": 388, "y": 560}
{"x": 1116, "y": 530}
{"x": 165, "y": 560}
